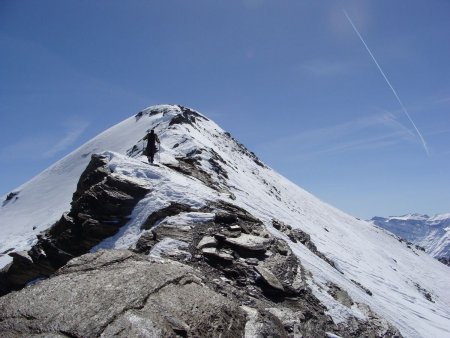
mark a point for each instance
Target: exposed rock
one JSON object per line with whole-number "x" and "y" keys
{"x": 262, "y": 324}
{"x": 269, "y": 278}
{"x": 444, "y": 260}
{"x": 191, "y": 166}
{"x": 424, "y": 292}
{"x": 282, "y": 247}
{"x": 375, "y": 327}
{"x": 171, "y": 210}
{"x": 245, "y": 266}
{"x": 171, "y": 248}
{"x": 252, "y": 261}
{"x": 340, "y": 295}
{"x": 245, "y": 151}
{"x": 366, "y": 290}
{"x": 225, "y": 218}
{"x": 300, "y": 236}
{"x": 290, "y": 319}
{"x": 232, "y": 209}
{"x": 101, "y": 204}
{"x": 217, "y": 254}
{"x": 176, "y": 231}
{"x": 12, "y": 195}
{"x": 297, "y": 235}
{"x": 218, "y": 275}
{"x": 249, "y": 243}
{"x": 207, "y": 242}
{"x": 217, "y": 168}
{"x": 145, "y": 242}
{"x": 6, "y": 251}
{"x": 127, "y": 304}
{"x": 187, "y": 116}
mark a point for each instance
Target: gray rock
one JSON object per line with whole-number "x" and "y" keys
{"x": 269, "y": 278}
{"x": 122, "y": 294}
{"x": 225, "y": 218}
{"x": 218, "y": 254}
{"x": 176, "y": 231}
{"x": 101, "y": 204}
{"x": 252, "y": 261}
{"x": 145, "y": 242}
{"x": 340, "y": 295}
{"x": 172, "y": 209}
{"x": 207, "y": 242}
{"x": 249, "y": 242}
{"x": 262, "y": 324}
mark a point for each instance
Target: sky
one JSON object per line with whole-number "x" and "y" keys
{"x": 359, "y": 116}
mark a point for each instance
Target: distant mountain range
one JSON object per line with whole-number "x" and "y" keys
{"x": 430, "y": 233}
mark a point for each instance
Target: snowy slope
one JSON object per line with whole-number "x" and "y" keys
{"x": 41, "y": 201}
{"x": 397, "y": 276}
{"x": 431, "y": 233}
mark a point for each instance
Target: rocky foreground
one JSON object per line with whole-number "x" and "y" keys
{"x": 224, "y": 276}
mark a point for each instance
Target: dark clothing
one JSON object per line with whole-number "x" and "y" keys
{"x": 151, "y": 148}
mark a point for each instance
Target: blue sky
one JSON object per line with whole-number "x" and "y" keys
{"x": 289, "y": 79}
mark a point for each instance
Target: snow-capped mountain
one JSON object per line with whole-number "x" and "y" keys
{"x": 431, "y": 233}
{"x": 211, "y": 210}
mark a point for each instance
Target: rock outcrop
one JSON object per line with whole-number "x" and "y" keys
{"x": 250, "y": 267}
{"x": 121, "y": 294}
{"x": 101, "y": 205}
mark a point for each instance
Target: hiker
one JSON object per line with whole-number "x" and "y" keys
{"x": 151, "y": 148}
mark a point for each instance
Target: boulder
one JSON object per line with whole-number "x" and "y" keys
{"x": 118, "y": 293}
{"x": 217, "y": 254}
{"x": 172, "y": 209}
{"x": 207, "y": 242}
{"x": 225, "y": 218}
{"x": 269, "y": 278}
{"x": 249, "y": 242}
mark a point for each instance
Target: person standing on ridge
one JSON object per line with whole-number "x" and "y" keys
{"x": 151, "y": 148}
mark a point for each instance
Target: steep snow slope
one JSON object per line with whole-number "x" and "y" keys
{"x": 409, "y": 288}
{"x": 431, "y": 233}
{"x": 41, "y": 201}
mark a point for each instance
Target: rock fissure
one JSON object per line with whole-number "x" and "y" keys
{"x": 144, "y": 302}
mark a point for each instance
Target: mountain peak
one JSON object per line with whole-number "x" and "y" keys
{"x": 212, "y": 206}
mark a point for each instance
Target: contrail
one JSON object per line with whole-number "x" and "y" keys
{"x": 388, "y": 82}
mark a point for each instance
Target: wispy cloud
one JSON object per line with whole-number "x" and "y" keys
{"x": 371, "y": 132}
{"x": 45, "y": 145}
{"x": 74, "y": 130}
{"x": 379, "y": 141}
{"x": 443, "y": 99}
{"x": 439, "y": 132}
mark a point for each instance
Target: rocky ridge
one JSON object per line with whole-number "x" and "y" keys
{"x": 101, "y": 205}
{"x": 198, "y": 258}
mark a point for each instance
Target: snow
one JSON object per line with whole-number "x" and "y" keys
{"x": 431, "y": 233}
{"x": 169, "y": 247}
{"x": 362, "y": 252}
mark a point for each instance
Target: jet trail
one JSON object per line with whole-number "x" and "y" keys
{"x": 388, "y": 82}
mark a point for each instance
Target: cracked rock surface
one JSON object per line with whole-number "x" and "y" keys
{"x": 122, "y": 294}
